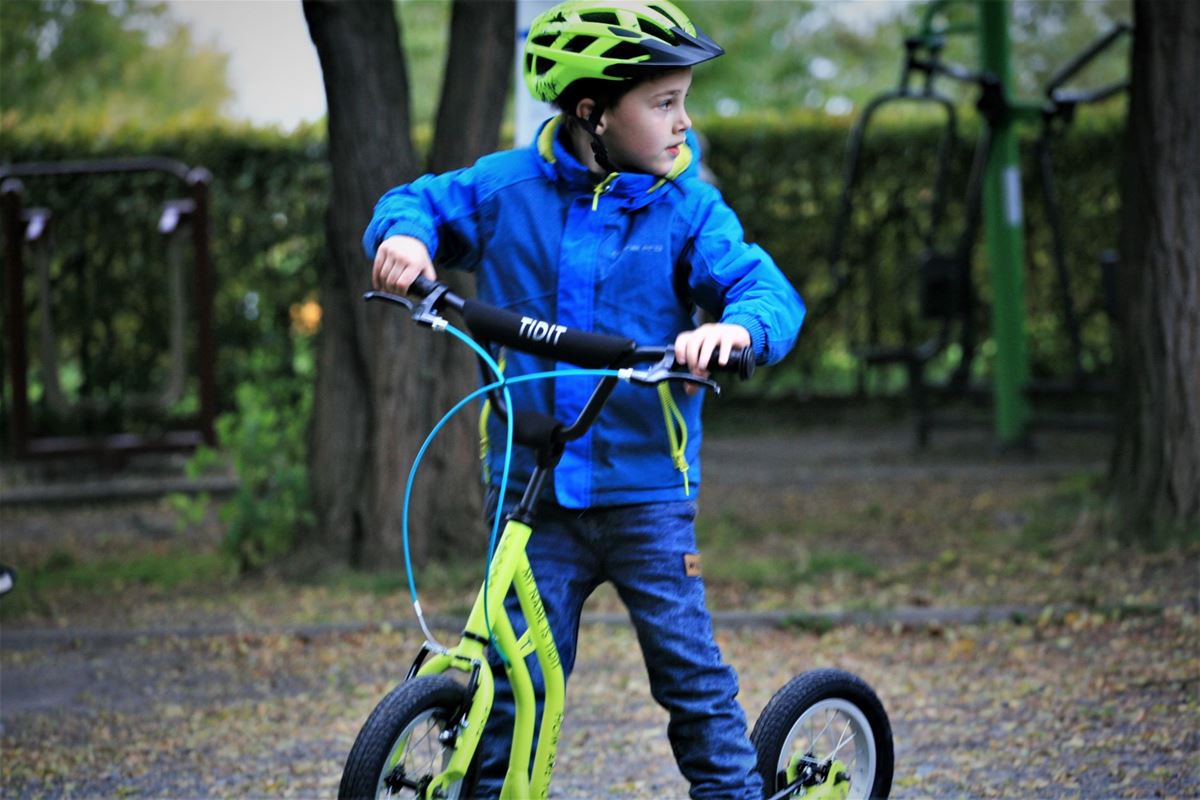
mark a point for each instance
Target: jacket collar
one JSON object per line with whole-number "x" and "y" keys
{"x": 631, "y": 189}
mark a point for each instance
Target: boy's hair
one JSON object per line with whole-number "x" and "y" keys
{"x": 605, "y": 94}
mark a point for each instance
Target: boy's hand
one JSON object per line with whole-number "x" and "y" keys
{"x": 398, "y": 262}
{"x": 695, "y": 348}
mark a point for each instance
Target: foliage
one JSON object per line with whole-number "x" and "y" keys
{"x": 1043, "y": 36}
{"x": 268, "y": 199}
{"x": 110, "y": 63}
{"x": 121, "y": 61}
{"x": 267, "y": 202}
{"x": 163, "y": 571}
{"x": 266, "y": 439}
{"x": 835, "y": 55}
{"x": 777, "y": 174}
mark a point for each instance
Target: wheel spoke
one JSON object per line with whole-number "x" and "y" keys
{"x": 841, "y": 720}
{"x": 812, "y": 742}
{"x": 400, "y": 750}
{"x": 829, "y": 727}
{"x": 842, "y": 740}
{"x": 417, "y": 751}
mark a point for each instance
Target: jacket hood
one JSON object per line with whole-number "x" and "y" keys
{"x": 632, "y": 189}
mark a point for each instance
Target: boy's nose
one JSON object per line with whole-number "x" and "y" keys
{"x": 685, "y": 122}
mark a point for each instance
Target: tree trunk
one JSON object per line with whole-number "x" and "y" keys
{"x": 1156, "y": 463}
{"x": 479, "y": 69}
{"x": 383, "y": 383}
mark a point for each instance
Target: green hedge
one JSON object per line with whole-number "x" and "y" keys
{"x": 782, "y": 175}
{"x": 267, "y": 204}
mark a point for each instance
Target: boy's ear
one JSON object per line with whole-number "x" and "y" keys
{"x": 585, "y": 108}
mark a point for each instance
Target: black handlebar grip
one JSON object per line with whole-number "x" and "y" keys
{"x": 741, "y": 362}
{"x": 422, "y": 286}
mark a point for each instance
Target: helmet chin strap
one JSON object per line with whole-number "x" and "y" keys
{"x": 598, "y": 148}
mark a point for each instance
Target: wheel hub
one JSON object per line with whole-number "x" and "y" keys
{"x": 829, "y": 780}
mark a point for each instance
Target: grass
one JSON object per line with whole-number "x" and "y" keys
{"x": 167, "y": 571}
{"x": 1075, "y": 503}
{"x": 160, "y": 571}
{"x": 1078, "y": 518}
{"x": 450, "y": 578}
{"x": 770, "y": 572}
{"x": 770, "y": 553}
{"x": 822, "y": 545}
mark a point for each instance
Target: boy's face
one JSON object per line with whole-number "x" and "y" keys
{"x": 643, "y": 132}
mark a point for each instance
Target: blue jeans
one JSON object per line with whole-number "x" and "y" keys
{"x": 641, "y": 549}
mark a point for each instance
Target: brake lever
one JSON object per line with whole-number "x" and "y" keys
{"x": 390, "y": 298}
{"x": 662, "y": 371}
{"x": 423, "y": 313}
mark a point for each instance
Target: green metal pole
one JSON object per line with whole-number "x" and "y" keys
{"x": 1004, "y": 237}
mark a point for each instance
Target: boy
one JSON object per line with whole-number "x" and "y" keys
{"x": 603, "y": 225}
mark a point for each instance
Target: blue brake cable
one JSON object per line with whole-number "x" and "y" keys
{"x": 501, "y": 383}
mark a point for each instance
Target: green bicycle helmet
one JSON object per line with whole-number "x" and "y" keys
{"x": 614, "y": 41}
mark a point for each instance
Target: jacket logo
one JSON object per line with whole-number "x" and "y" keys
{"x": 539, "y": 331}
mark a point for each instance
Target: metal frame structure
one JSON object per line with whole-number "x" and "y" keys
{"x": 25, "y": 442}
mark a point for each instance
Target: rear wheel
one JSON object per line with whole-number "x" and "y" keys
{"x": 402, "y": 746}
{"x": 827, "y": 735}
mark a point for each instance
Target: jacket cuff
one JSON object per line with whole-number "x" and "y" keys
{"x": 758, "y": 334}
{"x": 416, "y": 230}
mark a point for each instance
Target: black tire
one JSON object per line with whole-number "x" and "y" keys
{"x": 801, "y": 710}
{"x": 420, "y": 707}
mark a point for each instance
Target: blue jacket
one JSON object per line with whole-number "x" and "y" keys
{"x": 545, "y": 241}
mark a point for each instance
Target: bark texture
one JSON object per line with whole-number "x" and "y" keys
{"x": 383, "y": 383}
{"x": 479, "y": 70}
{"x": 1156, "y": 463}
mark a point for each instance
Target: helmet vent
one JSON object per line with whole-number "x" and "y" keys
{"x": 650, "y": 29}
{"x": 605, "y": 17}
{"x": 666, "y": 14}
{"x": 545, "y": 40}
{"x": 624, "y": 51}
{"x": 542, "y": 65}
{"x": 578, "y": 44}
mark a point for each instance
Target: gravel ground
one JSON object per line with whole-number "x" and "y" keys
{"x": 260, "y": 691}
{"x": 1085, "y": 706}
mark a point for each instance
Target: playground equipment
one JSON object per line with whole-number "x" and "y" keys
{"x": 1058, "y": 112}
{"x": 944, "y": 315}
{"x": 942, "y": 273}
{"x": 29, "y": 235}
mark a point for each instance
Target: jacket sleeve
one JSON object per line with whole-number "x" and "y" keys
{"x": 739, "y": 283}
{"x": 440, "y": 210}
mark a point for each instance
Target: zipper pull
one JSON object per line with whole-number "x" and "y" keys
{"x": 602, "y": 187}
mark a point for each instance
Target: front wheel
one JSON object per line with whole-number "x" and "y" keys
{"x": 402, "y": 746}
{"x": 824, "y": 735}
